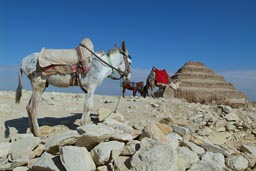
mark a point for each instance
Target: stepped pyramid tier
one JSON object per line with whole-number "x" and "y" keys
{"x": 200, "y": 84}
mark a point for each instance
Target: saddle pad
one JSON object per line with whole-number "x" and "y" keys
{"x": 161, "y": 76}
{"x": 49, "y": 57}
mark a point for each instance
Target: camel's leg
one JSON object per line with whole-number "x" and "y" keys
{"x": 32, "y": 107}
{"x": 88, "y": 105}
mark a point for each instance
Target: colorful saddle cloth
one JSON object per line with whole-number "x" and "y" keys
{"x": 161, "y": 76}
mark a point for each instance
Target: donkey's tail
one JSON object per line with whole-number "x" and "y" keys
{"x": 19, "y": 88}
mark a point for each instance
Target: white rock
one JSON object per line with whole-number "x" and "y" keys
{"x": 197, "y": 149}
{"x": 21, "y": 168}
{"x": 216, "y": 158}
{"x": 154, "y": 156}
{"x": 237, "y": 163}
{"x": 173, "y": 139}
{"x": 204, "y": 166}
{"x": 21, "y": 150}
{"x": 47, "y": 162}
{"x": 76, "y": 159}
{"x": 251, "y": 149}
{"x": 182, "y": 131}
{"x": 101, "y": 153}
{"x": 130, "y": 148}
{"x": 186, "y": 157}
{"x": 232, "y": 117}
{"x": 92, "y": 134}
{"x": 66, "y": 138}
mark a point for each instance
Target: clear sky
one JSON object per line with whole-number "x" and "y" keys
{"x": 161, "y": 33}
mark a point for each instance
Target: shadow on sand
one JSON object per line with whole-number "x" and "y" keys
{"x": 22, "y": 124}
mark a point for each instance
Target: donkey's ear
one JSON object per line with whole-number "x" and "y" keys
{"x": 123, "y": 46}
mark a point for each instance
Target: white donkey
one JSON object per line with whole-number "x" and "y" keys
{"x": 102, "y": 67}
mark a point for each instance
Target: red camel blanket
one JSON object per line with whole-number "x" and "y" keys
{"x": 161, "y": 76}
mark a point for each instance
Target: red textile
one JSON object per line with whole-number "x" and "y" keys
{"x": 161, "y": 76}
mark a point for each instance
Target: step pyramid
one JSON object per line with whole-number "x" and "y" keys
{"x": 200, "y": 84}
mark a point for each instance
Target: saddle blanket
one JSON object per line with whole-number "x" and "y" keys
{"x": 161, "y": 76}
{"x": 49, "y": 57}
{"x": 64, "y": 69}
{"x": 63, "y": 61}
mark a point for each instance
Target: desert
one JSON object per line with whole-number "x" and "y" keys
{"x": 143, "y": 134}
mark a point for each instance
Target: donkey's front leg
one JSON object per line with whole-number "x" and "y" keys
{"x": 88, "y": 105}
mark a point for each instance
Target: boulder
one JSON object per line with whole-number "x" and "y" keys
{"x": 67, "y": 138}
{"x": 76, "y": 159}
{"x": 47, "y": 162}
{"x": 153, "y": 156}
{"x": 92, "y": 134}
{"x": 237, "y": 162}
{"x": 102, "y": 152}
{"x": 22, "y": 150}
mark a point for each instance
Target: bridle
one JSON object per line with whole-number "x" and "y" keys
{"x": 121, "y": 73}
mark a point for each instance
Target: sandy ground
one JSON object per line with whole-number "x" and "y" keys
{"x": 66, "y": 108}
{"x": 62, "y": 111}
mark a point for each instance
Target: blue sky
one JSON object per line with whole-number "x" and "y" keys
{"x": 162, "y": 33}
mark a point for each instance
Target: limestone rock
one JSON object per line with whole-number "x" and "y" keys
{"x": 102, "y": 152}
{"x": 216, "y": 158}
{"x": 21, "y": 168}
{"x": 182, "y": 131}
{"x": 93, "y": 134}
{"x": 186, "y": 157}
{"x": 251, "y": 149}
{"x": 154, "y": 156}
{"x": 21, "y": 150}
{"x": 237, "y": 162}
{"x": 173, "y": 140}
{"x": 232, "y": 117}
{"x": 203, "y": 166}
{"x": 47, "y": 162}
{"x": 208, "y": 146}
{"x": 197, "y": 149}
{"x": 66, "y": 138}
{"x": 130, "y": 148}
{"x": 154, "y": 132}
{"x": 76, "y": 159}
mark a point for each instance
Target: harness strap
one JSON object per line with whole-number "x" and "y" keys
{"x": 118, "y": 70}
{"x": 109, "y": 60}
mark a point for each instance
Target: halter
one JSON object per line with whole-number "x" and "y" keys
{"x": 121, "y": 73}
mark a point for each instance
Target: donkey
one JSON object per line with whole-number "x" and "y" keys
{"x": 134, "y": 86}
{"x": 101, "y": 67}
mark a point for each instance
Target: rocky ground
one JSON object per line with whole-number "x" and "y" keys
{"x": 144, "y": 134}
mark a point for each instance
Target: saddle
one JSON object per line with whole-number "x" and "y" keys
{"x": 65, "y": 61}
{"x": 161, "y": 77}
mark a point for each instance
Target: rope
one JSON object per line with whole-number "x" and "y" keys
{"x": 118, "y": 70}
{"x": 118, "y": 101}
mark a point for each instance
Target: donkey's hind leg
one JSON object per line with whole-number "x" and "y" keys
{"x": 32, "y": 107}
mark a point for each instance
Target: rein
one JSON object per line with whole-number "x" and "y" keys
{"x": 122, "y": 73}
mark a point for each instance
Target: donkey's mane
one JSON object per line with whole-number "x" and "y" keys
{"x": 113, "y": 51}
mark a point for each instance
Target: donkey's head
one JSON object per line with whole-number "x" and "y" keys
{"x": 125, "y": 66}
